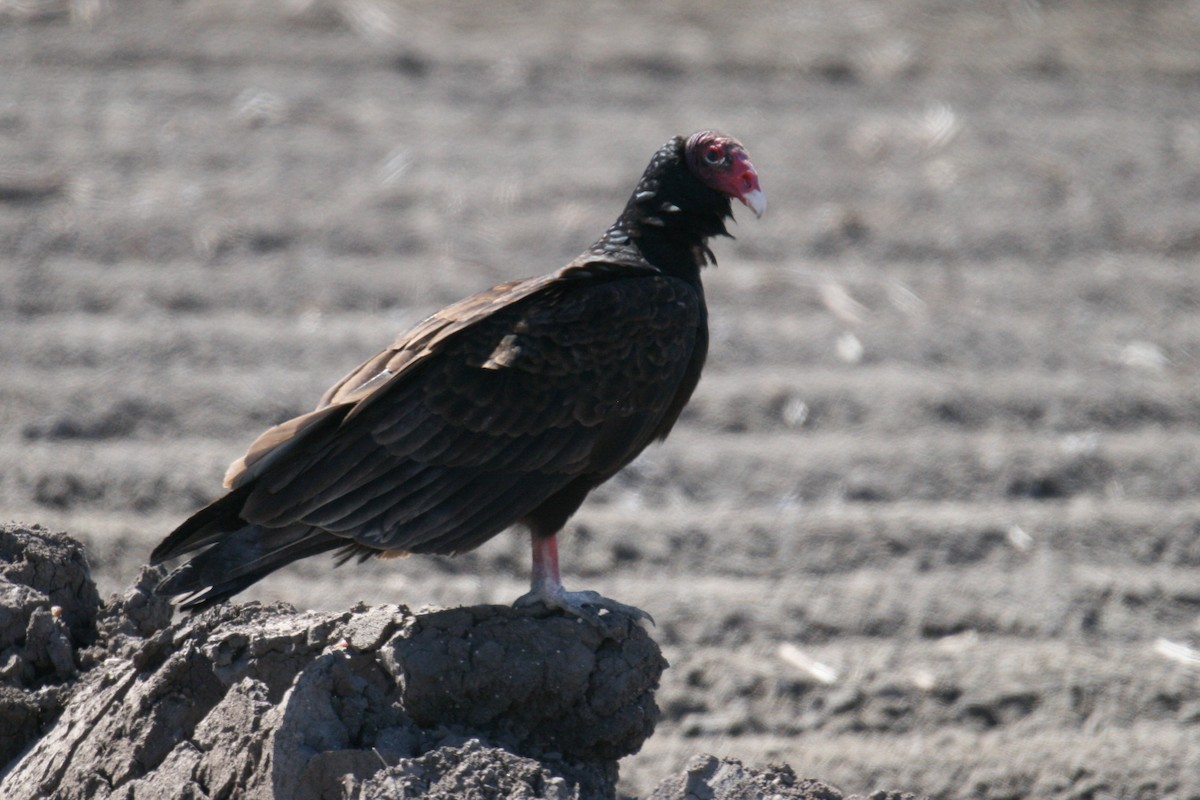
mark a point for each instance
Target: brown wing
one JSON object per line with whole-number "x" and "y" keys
{"x": 479, "y": 414}
{"x": 365, "y": 381}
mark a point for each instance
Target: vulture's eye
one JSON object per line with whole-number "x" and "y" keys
{"x": 714, "y": 154}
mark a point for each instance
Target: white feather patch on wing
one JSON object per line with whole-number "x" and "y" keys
{"x": 505, "y": 354}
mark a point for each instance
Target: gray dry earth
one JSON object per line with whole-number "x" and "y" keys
{"x": 932, "y": 521}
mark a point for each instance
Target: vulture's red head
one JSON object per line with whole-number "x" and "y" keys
{"x": 685, "y": 196}
{"x": 721, "y": 163}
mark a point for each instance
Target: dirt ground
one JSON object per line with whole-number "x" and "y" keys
{"x": 932, "y": 521}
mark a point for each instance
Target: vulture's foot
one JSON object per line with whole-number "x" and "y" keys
{"x": 586, "y": 605}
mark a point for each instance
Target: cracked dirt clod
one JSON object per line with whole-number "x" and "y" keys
{"x": 707, "y": 777}
{"x": 263, "y": 701}
{"x": 546, "y": 685}
{"x": 48, "y": 606}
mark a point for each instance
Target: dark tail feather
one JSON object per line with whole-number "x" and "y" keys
{"x": 238, "y": 553}
{"x": 210, "y": 524}
{"x": 242, "y": 557}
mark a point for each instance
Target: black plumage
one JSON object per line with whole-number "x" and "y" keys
{"x": 507, "y": 407}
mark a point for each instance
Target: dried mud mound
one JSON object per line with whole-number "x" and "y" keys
{"x": 254, "y": 701}
{"x": 711, "y": 778}
{"x": 108, "y": 701}
{"x": 48, "y": 607}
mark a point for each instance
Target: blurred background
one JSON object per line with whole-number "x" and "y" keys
{"x": 932, "y": 520}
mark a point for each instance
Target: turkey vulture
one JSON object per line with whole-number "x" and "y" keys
{"x": 504, "y": 408}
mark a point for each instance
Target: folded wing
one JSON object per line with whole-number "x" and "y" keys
{"x": 467, "y": 423}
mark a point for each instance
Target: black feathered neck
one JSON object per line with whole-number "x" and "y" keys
{"x": 669, "y": 218}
